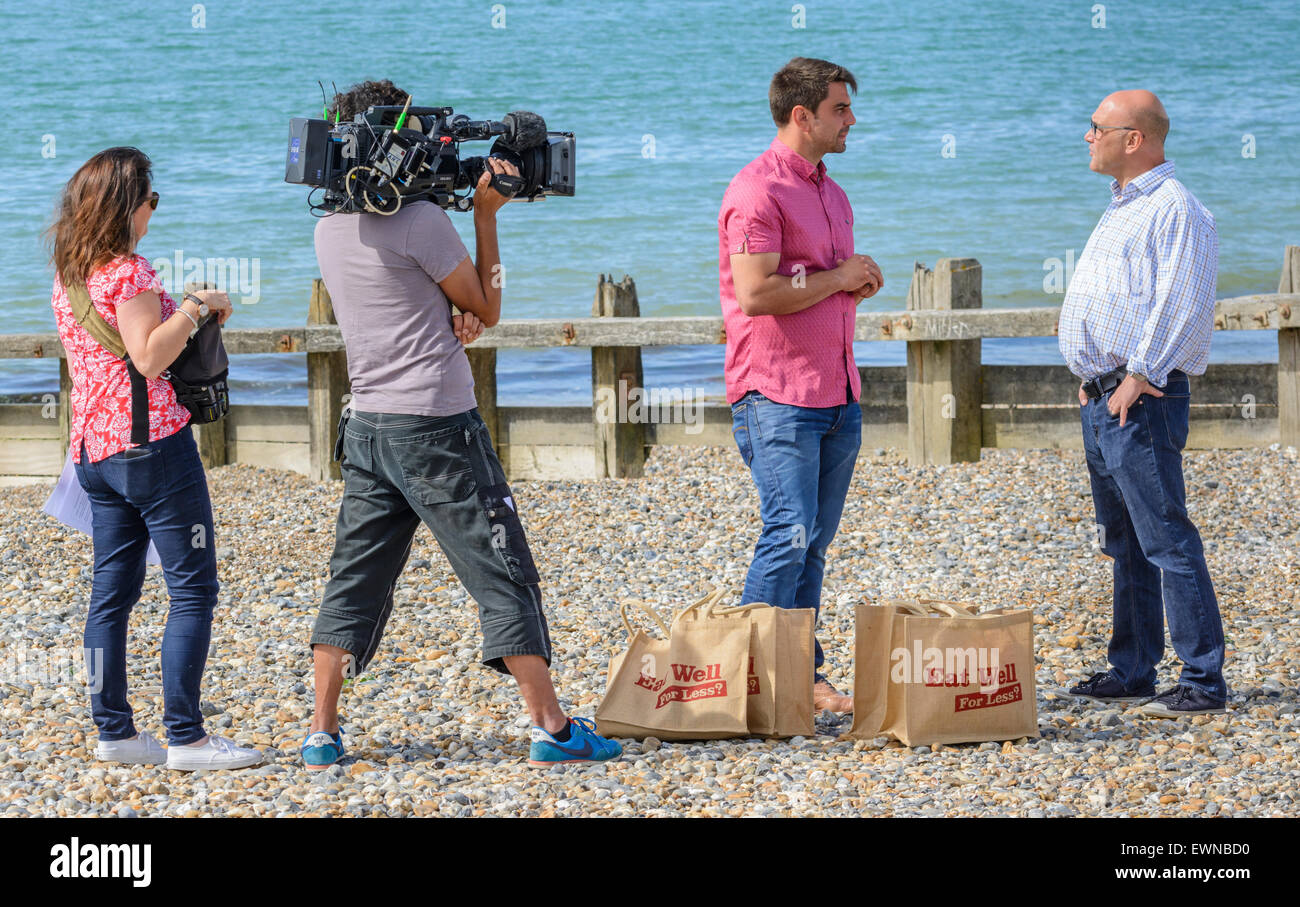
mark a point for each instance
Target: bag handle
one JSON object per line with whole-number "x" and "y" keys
{"x": 951, "y": 608}
{"x": 645, "y": 609}
{"x": 734, "y": 609}
{"x": 924, "y": 607}
{"x": 706, "y": 603}
{"x": 910, "y": 606}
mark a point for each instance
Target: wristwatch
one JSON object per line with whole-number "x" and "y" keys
{"x": 1140, "y": 377}
{"x": 203, "y": 306}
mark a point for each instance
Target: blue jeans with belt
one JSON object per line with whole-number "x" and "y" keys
{"x": 802, "y": 461}
{"x": 1137, "y": 487}
{"x": 159, "y": 491}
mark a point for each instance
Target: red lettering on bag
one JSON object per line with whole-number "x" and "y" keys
{"x": 1003, "y": 696}
{"x": 695, "y": 674}
{"x": 709, "y": 690}
{"x": 984, "y": 677}
{"x": 753, "y": 685}
{"x": 647, "y": 681}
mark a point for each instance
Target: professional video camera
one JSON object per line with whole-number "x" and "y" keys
{"x": 391, "y": 155}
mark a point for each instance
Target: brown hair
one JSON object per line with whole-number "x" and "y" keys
{"x": 95, "y": 220}
{"x": 804, "y": 82}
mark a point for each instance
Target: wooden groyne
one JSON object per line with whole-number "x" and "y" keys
{"x": 942, "y": 407}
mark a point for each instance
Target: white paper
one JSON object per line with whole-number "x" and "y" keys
{"x": 69, "y": 505}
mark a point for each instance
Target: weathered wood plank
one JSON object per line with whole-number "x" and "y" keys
{"x": 1058, "y": 426}
{"x": 617, "y": 381}
{"x": 1246, "y": 313}
{"x": 551, "y": 462}
{"x": 65, "y": 407}
{"x": 272, "y": 455}
{"x": 1053, "y": 385}
{"x": 944, "y": 385}
{"x": 1288, "y": 358}
{"x": 285, "y": 424}
{"x": 483, "y": 372}
{"x": 31, "y": 456}
{"x": 327, "y": 388}
{"x": 30, "y": 421}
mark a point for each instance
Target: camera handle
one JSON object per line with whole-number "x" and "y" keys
{"x": 507, "y": 185}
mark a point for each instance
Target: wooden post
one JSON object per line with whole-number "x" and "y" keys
{"x": 944, "y": 385}
{"x": 1288, "y": 359}
{"x": 483, "y": 368}
{"x": 615, "y": 375}
{"x": 65, "y": 406}
{"x": 210, "y": 438}
{"x": 327, "y": 384}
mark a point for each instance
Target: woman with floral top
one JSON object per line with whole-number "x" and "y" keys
{"x": 137, "y": 491}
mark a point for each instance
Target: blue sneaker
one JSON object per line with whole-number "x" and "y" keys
{"x": 321, "y": 749}
{"x": 583, "y": 745}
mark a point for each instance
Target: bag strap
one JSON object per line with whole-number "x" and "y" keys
{"x": 644, "y": 609}
{"x": 924, "y": 607}
{"x": 734, "y": 609}
{"x": 910, "y": 606}
{"x": 139, "y": 405}
{"x": 705, "y": 604}
{"x": 83, "y": 309}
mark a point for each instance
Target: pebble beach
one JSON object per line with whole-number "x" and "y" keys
{"x": 430, "y": 732}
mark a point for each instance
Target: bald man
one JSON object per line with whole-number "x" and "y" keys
{"x": 1136, "y": 322}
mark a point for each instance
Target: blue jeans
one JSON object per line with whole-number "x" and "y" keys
{"x": 1137, "y": 488}
{"x": 154, "y": 491}
{"x": 802, "y": 462}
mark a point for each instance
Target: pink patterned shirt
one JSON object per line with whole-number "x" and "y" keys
{"x": 781, "y": 203}
{"x": 101, "y": 387}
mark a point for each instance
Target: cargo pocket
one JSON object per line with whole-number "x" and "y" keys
{"x": 436, "y": 467}
{"x": 356, "y": 459}
{"x": 507, "y": 534}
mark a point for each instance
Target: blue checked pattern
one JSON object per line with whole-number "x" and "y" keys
{"x": 1142, "y": 294}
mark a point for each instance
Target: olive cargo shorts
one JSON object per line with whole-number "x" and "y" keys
{"x": 399, "y": 470}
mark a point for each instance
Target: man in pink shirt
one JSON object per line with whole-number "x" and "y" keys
{"x": 790, "y": 284}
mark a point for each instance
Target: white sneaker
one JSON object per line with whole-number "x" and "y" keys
{"x": 215, "y": 753}
{"x": 143, "y": 749}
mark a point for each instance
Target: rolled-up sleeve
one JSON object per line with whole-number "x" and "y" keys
{"x": 752, "y": 222}
{"x": 1181, "y": 321}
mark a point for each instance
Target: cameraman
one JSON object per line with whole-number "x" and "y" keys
{"x": 414, "y": 448}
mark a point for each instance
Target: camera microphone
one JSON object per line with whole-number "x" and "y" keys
{"x": 525, "y": 130}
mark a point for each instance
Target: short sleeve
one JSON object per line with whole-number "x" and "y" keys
{"x": 752, "y": 222}
{"x": 434, "y": 243}
{"x": 123, "y": 279}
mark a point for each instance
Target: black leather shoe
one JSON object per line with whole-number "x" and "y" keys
{"x": 1105, "y": 687}
{"x": 1184, "y": 700}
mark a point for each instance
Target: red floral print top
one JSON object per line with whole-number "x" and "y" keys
{"x": 101, "y": 387}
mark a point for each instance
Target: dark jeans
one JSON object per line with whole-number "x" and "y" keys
{"x": 1137, "y": 487}
{"x": 154, "y": 491}
{"x": 397, "y": 471}
{"x": 802, "y": 462}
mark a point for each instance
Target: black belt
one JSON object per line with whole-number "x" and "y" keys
{"x": 1103, "y": 384}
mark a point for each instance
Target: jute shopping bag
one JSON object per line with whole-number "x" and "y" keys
{"x": 929, "y": 672}
{"x": 689, "y": 685}
{"x": 781, "y": 660}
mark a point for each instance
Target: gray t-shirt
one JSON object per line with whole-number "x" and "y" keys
{"x": 382, "y": 274}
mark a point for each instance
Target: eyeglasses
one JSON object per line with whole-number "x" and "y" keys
{"x": 152, "y": 201}
{"x": 1098, "y": 130}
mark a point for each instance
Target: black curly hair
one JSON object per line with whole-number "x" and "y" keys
{"x": 347, "y": 104}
